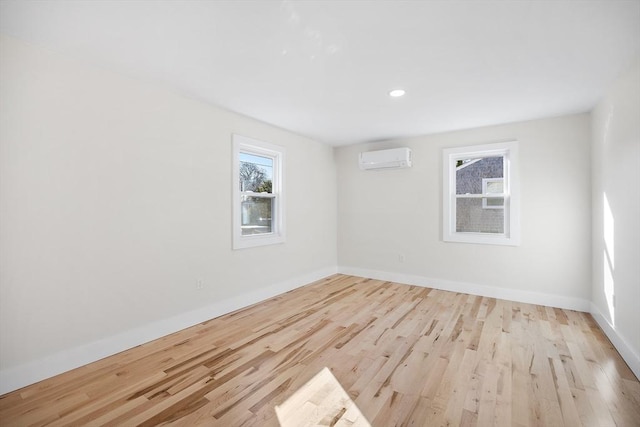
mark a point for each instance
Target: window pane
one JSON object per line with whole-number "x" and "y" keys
{"x": 256, "y": 214}
{"x": 256, "y": 173}
{"x": 495, "y": 203}
{"x": 494, "y": 186}
{"x": 470, "y": 173}
{"x": 471, "y": 217}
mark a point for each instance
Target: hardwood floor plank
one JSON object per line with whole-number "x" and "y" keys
{"x": 404, "y": 355}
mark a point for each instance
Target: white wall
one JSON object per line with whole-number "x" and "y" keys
{"x": 383, "y": 215}
{"x": 116, "y": 199}
{"x": 616, "y": 221}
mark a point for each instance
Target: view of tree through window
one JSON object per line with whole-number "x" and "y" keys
{"x": 256, "y": 176}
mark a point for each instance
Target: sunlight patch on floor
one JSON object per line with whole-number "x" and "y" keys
{"x": 320, "y": 402}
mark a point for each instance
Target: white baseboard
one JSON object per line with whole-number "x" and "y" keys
{"x": 37, "y": 370}
{"x": 529, "y": 297}
{"x": 619, "y": 342}
{"x": 22, "y": 375}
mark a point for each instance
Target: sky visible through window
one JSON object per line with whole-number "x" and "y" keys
{"x": 265, "y": 163}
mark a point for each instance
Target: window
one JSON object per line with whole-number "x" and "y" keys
{"x": 481, "y": 194}
{"x": 258, "y": 200}
{"x": 492, "y": 186}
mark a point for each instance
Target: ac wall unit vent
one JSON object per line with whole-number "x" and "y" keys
{"x": 395, "y": 158}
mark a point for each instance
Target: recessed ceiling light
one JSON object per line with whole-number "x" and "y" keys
{"x": 396, "y": 93}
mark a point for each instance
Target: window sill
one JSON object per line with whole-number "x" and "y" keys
{"x": 482, "y": 239}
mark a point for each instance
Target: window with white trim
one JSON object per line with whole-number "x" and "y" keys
{"x": 481, "y": 194}
{"x": 258, "y": 199}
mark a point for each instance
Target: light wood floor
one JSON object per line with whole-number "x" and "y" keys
{"x": 405, "y": 355}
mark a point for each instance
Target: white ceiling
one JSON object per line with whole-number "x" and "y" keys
{"x": 324, "y": 68}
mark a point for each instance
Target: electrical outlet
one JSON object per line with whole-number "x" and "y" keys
{"x": 400, "y": 258}
{"x": 199, "y": 284}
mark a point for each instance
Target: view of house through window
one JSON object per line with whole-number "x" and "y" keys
{"x": 481, "y": 194}
{"x": 478, "y": 194}
{"x": 256, "y": 176}
{"x": 493, "y": 186}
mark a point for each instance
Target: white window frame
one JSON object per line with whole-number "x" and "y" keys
{"x": 511, "y": 187}
{"x": 243, "y": 144}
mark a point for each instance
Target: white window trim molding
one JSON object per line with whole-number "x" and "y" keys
{"x": 277, "y": 153}
{"x": 509, "y": 150}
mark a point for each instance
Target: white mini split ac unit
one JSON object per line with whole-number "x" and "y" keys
{"x": 395, "y": 158}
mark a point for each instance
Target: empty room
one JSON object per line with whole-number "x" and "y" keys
{"x": 297, "y": 213}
